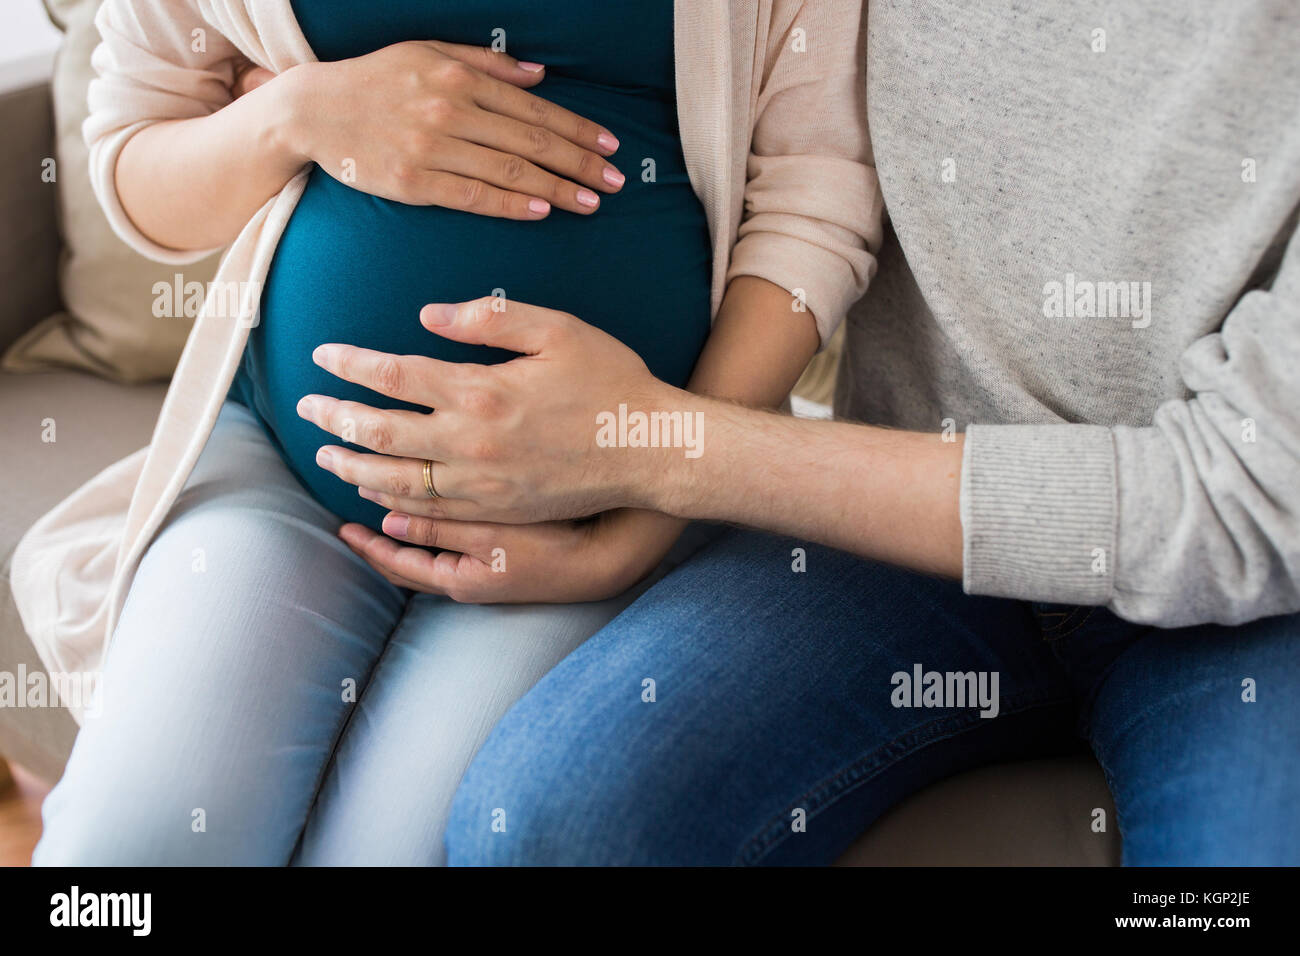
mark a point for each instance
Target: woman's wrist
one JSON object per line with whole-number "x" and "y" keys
{"x": 636, "y": 542}
{"x": 289, "y": 100}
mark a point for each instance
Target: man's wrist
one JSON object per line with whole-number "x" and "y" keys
{"x": 675, "y": 427}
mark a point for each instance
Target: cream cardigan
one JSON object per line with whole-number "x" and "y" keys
{"x": 771, "y": 105}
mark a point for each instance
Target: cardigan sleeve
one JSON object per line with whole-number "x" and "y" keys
{"x": 813, "y": 208}
{"x": 157, "y": 60}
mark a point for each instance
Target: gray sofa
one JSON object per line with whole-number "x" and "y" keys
{"x": 1037, "y": 812}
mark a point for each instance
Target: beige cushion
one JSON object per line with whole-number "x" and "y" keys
{"x": 817, "y": 384}
{"x": 1032, "y": 813}
{"x": 61, "y": 10}
{"x": 107, "y": 326}
{"x": 96, "y": 423}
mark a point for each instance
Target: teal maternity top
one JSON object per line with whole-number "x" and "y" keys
{"x": 354, "y": 268}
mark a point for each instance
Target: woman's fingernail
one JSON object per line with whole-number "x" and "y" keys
{"x": 539, "y": 206}
{"x": 304, "y": 407}
{"x": 368, "y": 494}
{"x": 323, "y": 354}
{"x": 439, "y": 313}
{"x": 614, "y": 177}
{"x": 587, "y": 197}
{"x": 607, "y": 141}
{"x": 531, "y": 67}
{"x": 395, "y": 525}
{"x": 324, "y": 458}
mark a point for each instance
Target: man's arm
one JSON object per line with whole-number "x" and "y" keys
{"x": 1187, "y": 520}
{"x": 521, "y": 442}
{"x": 888, "y": 495}
{"x": 756, "y": 351}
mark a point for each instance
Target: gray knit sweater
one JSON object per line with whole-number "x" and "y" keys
{"x": 1091, "y": 269}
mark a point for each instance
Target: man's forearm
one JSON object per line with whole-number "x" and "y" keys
{"x": 888, "y": 495}
{"x": 757, "y": 349}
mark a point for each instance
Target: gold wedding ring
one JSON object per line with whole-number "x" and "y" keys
{"x": 428, "y": 480}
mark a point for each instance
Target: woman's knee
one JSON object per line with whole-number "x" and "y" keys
{"x": 123, "y": 811}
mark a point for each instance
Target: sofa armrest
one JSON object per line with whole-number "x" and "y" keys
{"x": 29, "y": 233}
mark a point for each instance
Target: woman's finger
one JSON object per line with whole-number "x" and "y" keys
{"x": 451, "y": 191}
{"x": 513, "y": 174}
{"x": 545, "y": 148}
{"x": 532, "y": 110}
{"x": 249, "y": 78}
{"x": 386, "y": 431}
{"x": 509, "y": 98}
{"x": 476, "y": 538}
{"x": 362, "y": 542}
{"x": 417, "y": 379}
{"x": 502, "y": 66}
{"x": 442, "y": 573}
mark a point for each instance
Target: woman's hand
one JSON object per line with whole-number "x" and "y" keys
{"x": 518, "y": 442}
{"x": 248, "y": 78}
{"x": 557, "y": 562}
{"x": 430, "y": 123}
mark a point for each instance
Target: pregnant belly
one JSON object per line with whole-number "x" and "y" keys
{"x": 356, "y": 269}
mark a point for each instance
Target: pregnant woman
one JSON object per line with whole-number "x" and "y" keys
{"x": 268, "y": 695}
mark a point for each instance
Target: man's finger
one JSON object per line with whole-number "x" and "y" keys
{"x": 417, "y": 379}
{"x": 386, "y": 431}
{"x": 440, "y": 508}
{"x": 498, "y": 322}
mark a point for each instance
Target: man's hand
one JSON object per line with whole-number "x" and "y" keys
{"x": 515, "y": 442}
{"x": 558, "y": 562}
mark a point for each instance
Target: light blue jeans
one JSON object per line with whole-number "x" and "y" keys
{"x": 269, "y": 698}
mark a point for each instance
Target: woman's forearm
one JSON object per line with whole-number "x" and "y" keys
{"x": 758, "y": 348}
{"x": 420, "y": 122}
{"x": 756, "y": 351}
{"x": 194, "y": 183}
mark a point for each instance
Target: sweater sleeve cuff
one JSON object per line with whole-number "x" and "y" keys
{"x": 824, "y": 281}
{"x": 1038, "y": 512}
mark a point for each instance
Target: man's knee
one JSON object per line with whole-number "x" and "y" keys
{"x": 532, "y": 801}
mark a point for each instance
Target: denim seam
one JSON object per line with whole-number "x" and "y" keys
{"x": 1052, "y": 635}
{"x": 827, "y": 791}
{"x": 343, "y": 727}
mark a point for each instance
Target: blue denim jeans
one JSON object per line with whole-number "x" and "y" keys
{"x": 737, "y": 692}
